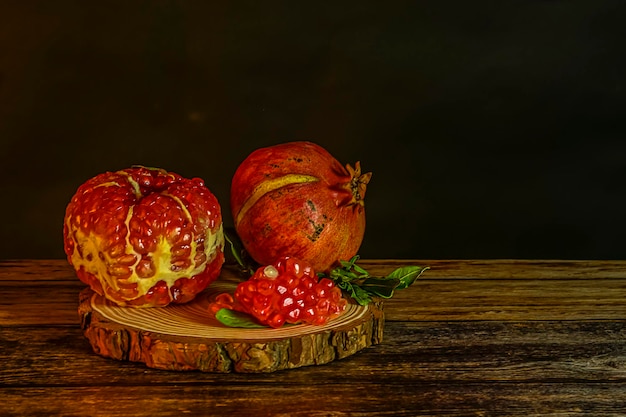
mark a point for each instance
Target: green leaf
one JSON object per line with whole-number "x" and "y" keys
{"x": 233, "y": 246}
{"x": 238, "y": 252}
{"x": 345, "y": 264}
{"x": 360, "y": 270}
{"x": 360, "y": 295}
{"x": 348, "y": 264}
{"x": 361, "y": 286}
{"x": 382, "y": 287}
{"x": 232, "y": 318}
{"x": 406, "y": 275}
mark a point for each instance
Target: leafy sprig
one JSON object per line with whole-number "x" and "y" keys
{"x": 354, "y": 280}
{"x": 361, "y": 286}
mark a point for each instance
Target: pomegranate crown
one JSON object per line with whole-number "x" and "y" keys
{"x": 358, "y": 183}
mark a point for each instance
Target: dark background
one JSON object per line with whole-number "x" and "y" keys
{"x": 494, "y": 129}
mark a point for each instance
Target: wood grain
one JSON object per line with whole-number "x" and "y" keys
{"x": 450, "y": 290}
{"x": 186, "y": 337}
{"x": 415, "y": 399}
{"x": 470, "y": 338}
{"x": 591, "y": 352}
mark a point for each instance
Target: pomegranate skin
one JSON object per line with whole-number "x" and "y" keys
{"x": 144, "y": 237}
{"x": 295, "y": 199}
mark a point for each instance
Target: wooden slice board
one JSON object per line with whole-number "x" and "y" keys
{"x": 185, "y": 337}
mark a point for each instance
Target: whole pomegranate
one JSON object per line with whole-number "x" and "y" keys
{"x": 144, "y": 237}
{"x": 295, "y": 199}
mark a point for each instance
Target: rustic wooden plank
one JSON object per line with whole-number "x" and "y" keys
{"x": 33, "y": 270}
{"x": 584, "y": 352}
{"x": 427, "y": 299}
{"x": 331, "y": 399}
{"x": 505, "y": 268}
{"x": 39, "y": 314}
{"x": 505, "y": 337}
{"x": 504, "y": 299}
{"x": 55, "y": 269}
{"x": 43, "y": 304}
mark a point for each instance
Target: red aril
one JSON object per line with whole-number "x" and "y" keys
{"x": 287, "y": 291}
{"x": 144, "y": 236}
{"x": 295, "y": 199}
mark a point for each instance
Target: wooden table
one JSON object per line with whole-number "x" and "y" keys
{"x": 495, "y": 337}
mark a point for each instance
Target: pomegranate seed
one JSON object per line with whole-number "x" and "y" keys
{"x": 270, "y": 271}
{"x": 289, "y": 292}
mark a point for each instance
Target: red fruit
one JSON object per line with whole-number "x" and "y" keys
{"x": 144, "y": 236}
{"x": 288, "y": 292}
{"x": 223, "y": 300}
{"x": 296, "y": 199}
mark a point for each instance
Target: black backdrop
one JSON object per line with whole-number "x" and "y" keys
{"x": 493, "y": 129}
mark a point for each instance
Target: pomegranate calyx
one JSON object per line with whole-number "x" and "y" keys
{"x": 358, "y": 183}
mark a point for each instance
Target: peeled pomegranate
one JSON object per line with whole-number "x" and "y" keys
{"x": 295, "y": 199}
{"x": 144, "y": 237}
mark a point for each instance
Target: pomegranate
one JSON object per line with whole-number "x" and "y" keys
{"x": 144, "y": 237}
{"x": 295, "y": 199}
{"x": 288, "y": 291}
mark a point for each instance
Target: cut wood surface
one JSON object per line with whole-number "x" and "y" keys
{"x": 476, "y": 337}
{"x": 185, "y": 337}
